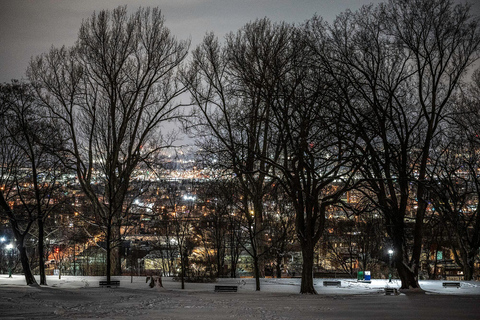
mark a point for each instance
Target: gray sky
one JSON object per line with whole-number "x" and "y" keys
{"x": 31, "y": 27}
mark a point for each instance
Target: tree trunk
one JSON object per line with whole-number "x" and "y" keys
{"x": 108, "y": 252}
{"x": 257, "y": 273}
{"x": 469, "y": 266}
{"x": 220, "y": 261}
{"x": 433, "y": 275}
{"x": 279, "y": 266}
{"x": 408, "y": 276}
{"x": 41, "y": 258}
{"x": 233, "y": 255}
{"x": 182, "y": 276}
{"x": 182, "y": 266}
{"x": 233, "y": 268}
{"x": 29, "y": 278}
{"x": 407, "y": 273}
{"x": 117, "y": 253}
{"x": 259, "y": 238}
{"x": 19, "y": 237}
{"x": 117, "y": 261}
{"x": 307, "y": 268}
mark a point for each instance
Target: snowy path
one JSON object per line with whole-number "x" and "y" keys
{"x": 81, "y": 298}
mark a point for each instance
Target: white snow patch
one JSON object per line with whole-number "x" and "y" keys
{"x": 284, "y": 285}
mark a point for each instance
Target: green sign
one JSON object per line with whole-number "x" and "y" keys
{"x": 439, "y": 255}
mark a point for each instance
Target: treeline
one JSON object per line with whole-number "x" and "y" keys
{"x": 376, "y": 101}
{"x": 379, "y": 102}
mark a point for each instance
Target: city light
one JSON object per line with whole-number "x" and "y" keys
{"x": 390, "y": 272}
{"x": 189, "y": 198}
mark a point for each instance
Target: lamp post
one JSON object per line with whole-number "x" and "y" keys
{"x": 57, "y": 251}
{"x": 2, "y": 240}
{"x": 390, "y": 254}
{"x": 9, "y": 248}
{"x": 73, "y": 227}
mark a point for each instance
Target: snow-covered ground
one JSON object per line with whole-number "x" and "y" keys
{"x": 82, "y": 298}
{"x": 285, "y": 285}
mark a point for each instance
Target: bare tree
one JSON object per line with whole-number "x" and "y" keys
{"x": 11, "y": 161}
{"x": 280, "y": 227}
{"x": 112, "y": 91}
{"x": 455, "y": 191}
{"x": 232, "y": 87}
{"x": 398, "y": 66}
{"x": 218, "y": 198}
{"x": 443, "y": 40}
{"x": 271, "y": 117}
{"x": 182, "y": 221}
{"x": 30, "y": 170}
{"x": 315, "y": 166}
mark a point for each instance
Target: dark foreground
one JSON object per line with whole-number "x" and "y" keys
{"x": 124, "y": 303}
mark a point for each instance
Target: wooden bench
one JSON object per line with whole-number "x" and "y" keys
{"x": 451, "y": 284}
{"x": 226, "y": 288}
{"x": 112, "y": 283}
{"x": 336, "y": 283}
{"x": 391, "y": 291}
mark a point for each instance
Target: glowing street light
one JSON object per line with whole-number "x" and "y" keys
{"x": 9, "y": 248}
{"x": 390, "y": 254}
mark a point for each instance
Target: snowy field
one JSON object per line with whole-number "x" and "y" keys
{"x": 81, "y": 298}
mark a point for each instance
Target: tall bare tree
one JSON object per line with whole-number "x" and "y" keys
{"x": 12, "y": 162}
{"x": 30, "y": 169}
{"x": 443, "y": 40}
{"x": 315, "y": 166}
{"x": 233, "y": 87}
{"x": 398, "y": 65}
{"x": 112, "y": 91}
{"x": 455, "y": 191}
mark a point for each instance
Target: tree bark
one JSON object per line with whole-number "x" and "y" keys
{"x": 407, "y": 274}
{"x": 469, "y": 266}
{"x": 108, "y": 251}
{"x": 19, "y": 237}
{"x": 29, "y": 278}
{"x": 307, "y": 268}
{"x": 256, "y": 266}
{"x": 41, "y": 258}
{"x": 279, "y": 266}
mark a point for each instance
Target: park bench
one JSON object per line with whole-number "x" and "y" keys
{"x": 112, "y": 283}
{"x": 451, "y": 284}
{"x": 336, "y": 283}
{"x": 391, "y": 291}
{"x": 226, "y": 288}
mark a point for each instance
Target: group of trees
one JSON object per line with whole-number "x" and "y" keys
{"x": 106, "y": 97}
{"x": 364, "y": 103}
{"x": 374, "y": 102}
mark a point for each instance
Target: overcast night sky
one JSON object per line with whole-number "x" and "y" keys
{"x": 31, "y": 27}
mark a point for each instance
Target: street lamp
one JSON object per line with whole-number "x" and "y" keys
{"x": 9, "y": 248}
{"x": 390, "y": 254}
{"x": 57, "y": 251}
